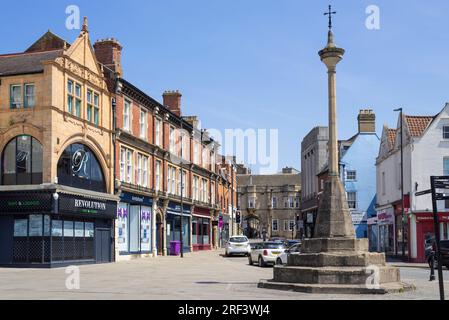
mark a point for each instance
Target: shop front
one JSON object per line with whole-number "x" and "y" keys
{"x": 201, "y": 229}
{"x": 134, "y": 220}
{"x": 423, "y": 223}
{"x": 178, "y": 223}
{"x": 386, "y": 225}
{"x": 51, "y": 227}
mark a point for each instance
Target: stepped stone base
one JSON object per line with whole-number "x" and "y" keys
{"x": 336, "y": 289}
{"x": 336, "y": 265}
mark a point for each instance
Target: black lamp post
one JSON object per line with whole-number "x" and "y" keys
{"x": 182, "y": 191}
{"x": 402, "y": 182}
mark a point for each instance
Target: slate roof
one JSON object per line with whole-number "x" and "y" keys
{"x": 25, "y": 63}
{"x": 418, "y": 124}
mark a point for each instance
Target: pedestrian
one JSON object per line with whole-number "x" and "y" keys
{"x": 431, "y": 262}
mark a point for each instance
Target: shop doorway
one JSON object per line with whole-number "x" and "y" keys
{"x": 159, "y": 234}
{"x": 103, "y": 245}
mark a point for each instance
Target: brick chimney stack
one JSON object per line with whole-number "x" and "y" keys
{"x": 109, "y": 53}
{"x": 172, "y": 100}
{"x": 367, "y": 121}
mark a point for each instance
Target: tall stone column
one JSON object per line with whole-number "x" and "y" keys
{"x": 334, "y": 261}
{"x": 334, "y": 218}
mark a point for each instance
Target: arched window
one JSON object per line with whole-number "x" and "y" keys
{"x": 79, "y": 167}
{"x": 22, "y": 161}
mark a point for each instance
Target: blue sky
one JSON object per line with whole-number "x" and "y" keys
{"x": 254, "y": 63}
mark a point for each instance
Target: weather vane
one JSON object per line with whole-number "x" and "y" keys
{"x": 330, "y": 13}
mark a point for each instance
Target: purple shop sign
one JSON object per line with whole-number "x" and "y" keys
{"x": 220, "y": 222}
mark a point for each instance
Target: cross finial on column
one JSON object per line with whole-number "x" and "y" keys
{"x": 330, "y": 13}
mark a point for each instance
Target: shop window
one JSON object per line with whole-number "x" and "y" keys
{"x": 79, "y": 167}
{"x": 22, "y": 161}
{"x": 134, "y": 229}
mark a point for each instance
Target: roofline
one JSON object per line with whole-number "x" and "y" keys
{"x": 3, "y": 75}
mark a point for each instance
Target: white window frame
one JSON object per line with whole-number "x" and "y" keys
{"x": 143, "y": 124}
{"x": 127, "y": 115}
{"x": 351, "y": 175}
{"x": 171, "y": 138}
{"x": 350, "y": 201}
{"x": 158, "y": 175}
{"x": 158, "y": 132}
{"x": 123, "y": 164}
{"x": 129, "y": 165}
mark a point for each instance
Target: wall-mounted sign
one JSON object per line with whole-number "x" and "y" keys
{"x": 136, "y": 199}
{"x": 29, "y": 202}
{"x": 81, "y": 205}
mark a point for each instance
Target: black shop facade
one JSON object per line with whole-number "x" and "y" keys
{"x": 55, "y": 225}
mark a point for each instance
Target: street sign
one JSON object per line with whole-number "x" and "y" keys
{"x": 437, "y": 183}
{"x": 422, "y": 193}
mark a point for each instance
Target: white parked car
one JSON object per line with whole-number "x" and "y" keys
{"x": 282, "y": 259}
{"x": 237, "y": 245}
{"x": 265, "y": 253}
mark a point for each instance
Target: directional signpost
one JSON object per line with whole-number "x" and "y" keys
{"x": 440, "y": 191}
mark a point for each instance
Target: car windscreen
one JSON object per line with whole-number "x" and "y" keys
{"x": 238, "y": 239}
{"x": 273, "y": 246}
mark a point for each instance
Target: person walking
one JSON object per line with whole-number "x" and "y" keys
{"x": 431, "y": 261}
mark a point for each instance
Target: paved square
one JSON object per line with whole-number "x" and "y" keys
{"x": 199, "y": 276}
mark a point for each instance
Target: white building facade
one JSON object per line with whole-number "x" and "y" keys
{"x": 426, "y": 154}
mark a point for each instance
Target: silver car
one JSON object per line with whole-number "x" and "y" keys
{"x": 237, "y": 245}
{"x": 266, "y": 253}
{"x": 294, "y": 249}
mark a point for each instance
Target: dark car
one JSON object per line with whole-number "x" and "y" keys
{"x": 444, "y": 251}
{"x": 444, "y": 244}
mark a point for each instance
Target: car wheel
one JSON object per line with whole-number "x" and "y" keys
{"x": 261, "y": 262}
{"x": 250, "y": 261}
{"x": 279, "y": 262}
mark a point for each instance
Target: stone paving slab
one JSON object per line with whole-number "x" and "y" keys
{"x": 199, "y": 276}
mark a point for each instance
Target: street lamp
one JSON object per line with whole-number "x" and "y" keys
{"x": 182, "y": 191}
{"x": 402, "y": 182}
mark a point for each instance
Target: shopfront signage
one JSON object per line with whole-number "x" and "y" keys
{"x": 90, "y": 205}
{"x": 136, "y": 199}
{"x": 23, "y": 202}
{"x": 385, "y": 216}
{"x": 80, "y": 205}
{"x": 174, "y": 208}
